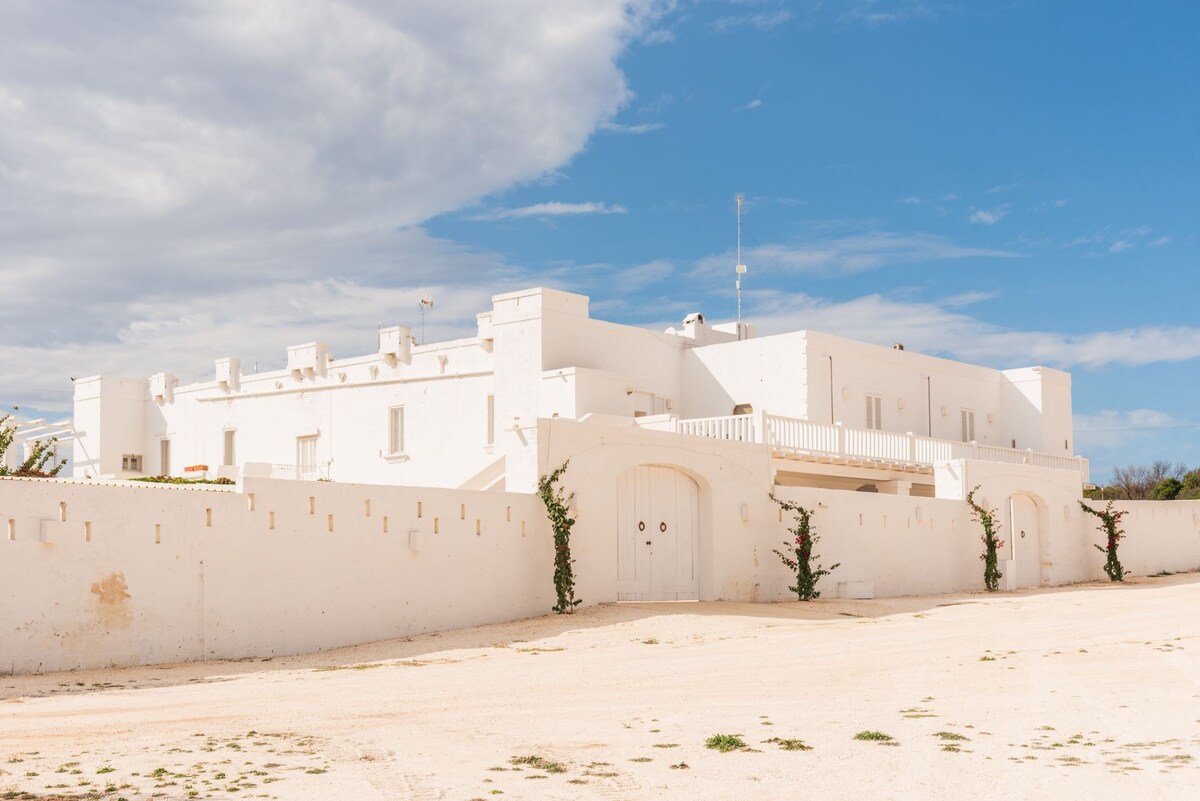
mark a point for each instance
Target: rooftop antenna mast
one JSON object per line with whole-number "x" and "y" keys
{"x": 740, "y": 268}
{"x": 426, "y": 302}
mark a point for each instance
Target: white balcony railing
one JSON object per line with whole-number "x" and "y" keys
{"x": 791, "y": 435}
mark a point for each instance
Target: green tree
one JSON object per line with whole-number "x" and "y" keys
{"x": 1167, "y": 489}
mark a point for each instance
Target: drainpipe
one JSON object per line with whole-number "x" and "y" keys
{"x": 830, "y": 390}
{"x": 928, "y": 406}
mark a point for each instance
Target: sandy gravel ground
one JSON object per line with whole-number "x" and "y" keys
{"x": 1088, "y": 692}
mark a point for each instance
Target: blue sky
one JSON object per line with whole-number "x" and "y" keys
{"x": 1009, "y": 183}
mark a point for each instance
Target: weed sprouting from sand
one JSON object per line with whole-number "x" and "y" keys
{"x": 538, "y": 763}
{"x": 789, "y": 745}
{"x": 681, "y": 766}
{"x": 650, "y": 641}
{"x": 949, "y": 735}
{"x": 665, "y": 745}
{"x": 875, "y": 737}
{"x": 725, "y": 743}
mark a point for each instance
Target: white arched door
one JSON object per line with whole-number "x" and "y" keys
{"x": 656, "y": 546}
{"x": 1026, "y": 541}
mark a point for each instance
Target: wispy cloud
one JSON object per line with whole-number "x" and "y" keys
{"x": 911, "y": 200}
{"x": 762, "y": 20}
{"x": 850, "y": 253}
{"x": 1114, "y": 240}
{"x": 640, "y": 128}
{"x": 1110, "y": 428}
{"x": 1000, "y": 189}
{"x": 753, "y": 104}
{"x": 989, "y": 216}
{"x": 933, "y": 327}
{"x": 551, "y": 209}
{"x": 885, "y": 12}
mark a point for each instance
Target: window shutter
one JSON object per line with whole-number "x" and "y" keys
{"x": 396, "y": 430}
{"x": 878, "y": 412}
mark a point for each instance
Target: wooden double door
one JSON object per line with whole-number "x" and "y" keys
{"x": 658, "y": 518}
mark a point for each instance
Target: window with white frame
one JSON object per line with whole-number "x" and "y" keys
{"x": 491, "y": 419}
{"x": 306, "y": 458}
{"x": 395, "y": 431}
{"x": 967, "y": 419}
{"x": 230, "y": 453}
{"x": 875, "y": 412}
{"x": 131, "y": 462}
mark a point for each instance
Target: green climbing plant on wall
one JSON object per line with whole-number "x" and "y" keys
{"x": 799, "y": 556}
{"x": 1110, "y": 524}
{"x": 558, "y": 512}
{"x": 991, "y": 542}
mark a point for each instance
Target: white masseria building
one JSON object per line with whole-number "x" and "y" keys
{"x": 391, "y": 493}
{"x": 832, "y": 412}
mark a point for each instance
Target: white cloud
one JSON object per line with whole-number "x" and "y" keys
{"x": 178, "y": 176}
{"x": 989, "y": 217}
{"x": 849, "y": 253}
{"x": 1110, "y": 428}
{"x": 1118, "y": 240}
{"x": 932, "y": 327}
{"x": 552, "y": 209}
{"x": 884, "y": 12}
{"x": 1000, "y": 189}
{"x": 753, "y": 104}
{"x": 763, "y": 20}
{"x": 642, "y": 128}
{"x": 911, "y": 200}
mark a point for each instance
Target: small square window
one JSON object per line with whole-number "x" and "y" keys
{"x": 131, "y": 462}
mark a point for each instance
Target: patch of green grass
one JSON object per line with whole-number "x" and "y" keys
{"x": 539, "y": 763}
{"x": 725, "y": 742}
{"x": 949, "y": 735}
{"x": 874, "y": 736}
{"x": 650, "y": 641}
{"x": 987, "y": 659}
{"x": 641, "y": 759}
{"x": 665, "y": 745}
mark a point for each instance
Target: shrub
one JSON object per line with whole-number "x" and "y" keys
{"x": 40, "y": 453}
{"x": 725, "y": 743}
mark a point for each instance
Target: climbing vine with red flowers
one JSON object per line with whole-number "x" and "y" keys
{"x": 799, "y": 557}
{"x": 1110, "y": 524}
{"x": 991, "y": 543}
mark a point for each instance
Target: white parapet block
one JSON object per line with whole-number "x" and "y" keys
{"x": 855, "y": 590}
{"x": 1008, "y": 575}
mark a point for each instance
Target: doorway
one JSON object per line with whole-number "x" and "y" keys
{"x": 1026, "y": 541}
{"x": 658, "y": 512}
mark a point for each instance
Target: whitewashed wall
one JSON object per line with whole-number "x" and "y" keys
{"x": 239, "y": 587}
{"x": 143, "y": 573}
